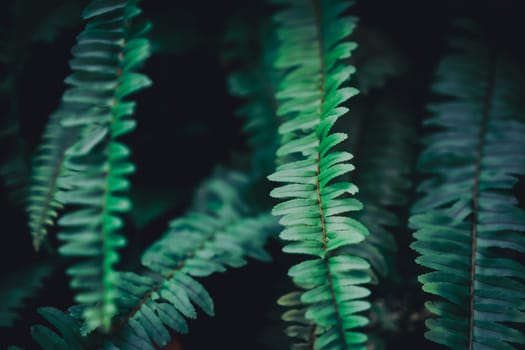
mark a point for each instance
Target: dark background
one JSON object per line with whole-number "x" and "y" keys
{"x": 186, "y": 126}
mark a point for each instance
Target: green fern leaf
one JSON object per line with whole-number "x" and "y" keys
{"x": 65, "y": 333}
{"x": 89, "y": 165}
{"x": 47, "y": 338}
{"x": 469, "y": 228}
{"x": 43, "y": 204}
{"x": 313, "y": 41}
{"x": 219, "y": 232}
{"x": 196, "y": 245}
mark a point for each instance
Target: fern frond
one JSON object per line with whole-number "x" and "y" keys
{"x": 195, "y": 246}
{"x": 35, "y": 192}
{"x": 43, "y": 205}
{"x": 89, "y": 164}
{"x": 19, "y": 286}
{"x": 313, "y": 41}
{"x": 218, "y": 232}
{"x": 44, "y": 23}
{"x": 69, "y": 337}
{"x": 469, "y": 227}
{"x": 305, "y": 330}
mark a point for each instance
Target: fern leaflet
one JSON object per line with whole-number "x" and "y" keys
{"x": 468, "y": 224}
{"x": 312, "y": 35}
{"x": 219, "y": 232}
{"x": 85, "y": 166}
{"x": 43, "y": 204}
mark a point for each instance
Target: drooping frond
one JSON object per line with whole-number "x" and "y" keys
{"x": 68, "y": 336}
{"x": 219, "y": 232}
{"x": 44, "y": 23}
{"x": 384, "y": 156}
{"x": 469, "y": 228}
{"x": 252, "y": 48}
{"x": 313, "y": 41}
{"x": 43, "y": 205}
{"x": 196, "y": 245}
{"x": 19, "y": 286}
{"x": 92, "y": 165}
{"x": 304, "y": 330}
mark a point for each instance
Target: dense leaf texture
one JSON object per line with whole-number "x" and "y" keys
{"x": 83, "y": 159}
{"x": 43, "y": 204}
{"x": 219, "y": 232}
{"x": 315, "y": 205}
{"x": 44, "y": 23}
{"x": 469, "y": 228}
{"x": 68, "y": 336}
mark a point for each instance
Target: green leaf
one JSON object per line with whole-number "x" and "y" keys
{"x": 467, "y": 212}
{"x": 47, "y": 338}
{"x": 313, "y": 201}
{"x": 153, "y": 325}
{"x": 196, "y": 292}
{"x": 87, "y": 166}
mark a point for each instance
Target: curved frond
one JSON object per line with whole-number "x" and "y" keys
{"x": 313, "y": 42}
{"x": 196, "y": 245}
{"x": 68, "y": 336}
{"x": 88, "y": 163}
{"x": 469, "y": 227}
{"x": 219, "y": 232}
{"x": 44, "y": 23}
{"x": 43, "y": 205}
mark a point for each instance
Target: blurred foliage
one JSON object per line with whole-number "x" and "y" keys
{"x": 209, "y": 107}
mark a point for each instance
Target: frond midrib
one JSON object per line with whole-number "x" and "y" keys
{"x": 158, "y": 286}
{"x": 317, "y": 14}
{"x": 106, "y": 249}
{"x": 489, "y": 96}
{"x": 53, "y": 184}
{"x": 169, "y": 275}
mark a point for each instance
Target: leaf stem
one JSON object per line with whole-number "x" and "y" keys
{"x": 317, "y": 13}
{"x": 475, "y": 191}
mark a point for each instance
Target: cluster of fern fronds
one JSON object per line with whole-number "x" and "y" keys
{"x": 389, "y": 221}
